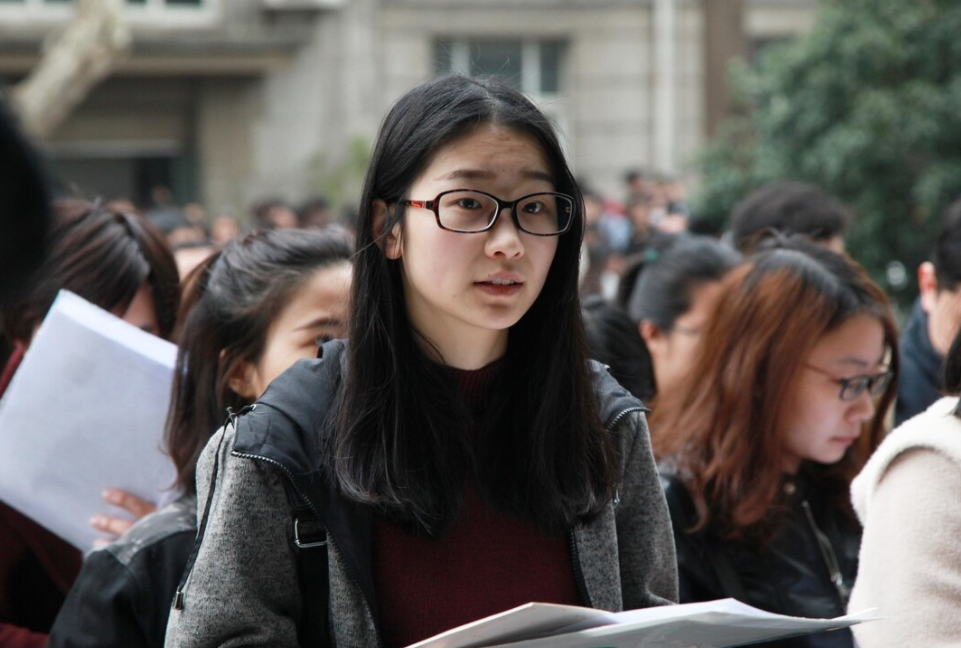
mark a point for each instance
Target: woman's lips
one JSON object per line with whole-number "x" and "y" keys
{"x": 500, "y": 288}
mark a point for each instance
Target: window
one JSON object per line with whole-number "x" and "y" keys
{"x": 533, "y": 66}
{"x": 140, "y": 12}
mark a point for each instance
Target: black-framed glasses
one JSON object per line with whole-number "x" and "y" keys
{"x": 854, "y": 386}
{"x": 469, "y": 211}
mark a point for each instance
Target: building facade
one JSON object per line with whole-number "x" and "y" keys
{"x": 232, "y": 101}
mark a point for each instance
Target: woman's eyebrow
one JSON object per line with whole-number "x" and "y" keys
{"x": 483, "y": 174}
{"x": 319, "y": 322}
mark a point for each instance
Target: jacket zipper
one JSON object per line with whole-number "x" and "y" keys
{"x": 829, "y": 555}
{"x": 313, "y": 509}
{"x": 579, "y": 579}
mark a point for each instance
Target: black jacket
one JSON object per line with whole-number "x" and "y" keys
{"x": 121, "y": 599}
{"x": 791, "y": 575}
{"x": 921, "y": 381}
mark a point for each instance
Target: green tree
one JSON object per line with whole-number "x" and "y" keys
{"x": 866, "y": 105}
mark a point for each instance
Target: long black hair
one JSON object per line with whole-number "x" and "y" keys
{"x": 104, "y": 255}
{"x": 542, "y": 454}
{"x": 230, "y": 301}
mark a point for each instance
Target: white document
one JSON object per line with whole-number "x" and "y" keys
{"x": 714, "y": 624}
{"x": 85, "y": 411}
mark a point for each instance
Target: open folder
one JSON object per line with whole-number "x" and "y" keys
{"x": 714, "y": 624}
{"x": 85, "y": 411}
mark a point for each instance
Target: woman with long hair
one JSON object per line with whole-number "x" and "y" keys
{"x": 249, "y": 311}
{"x": 759, "y": 447}
{"x": 668, "y": 292}
{"x": 461, "y": 453}
{"x": 121, "y": 263}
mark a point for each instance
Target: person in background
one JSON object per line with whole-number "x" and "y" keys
{"x": 25, "y": 217}
{"x": 908, "y": 498}
{"x": 273, "y": 213}
{"x": 672, "y": 289}
{"x": 121, "y": 263}
{"x": 612, "y": 340}
{"x": 316, "y": 213}
{"x": 462, "y": 452}
{"x": 249, "y": 312}
{"x": 935, "y": 319}
{"x": 790, "y": 207}
{"x": 758, "y": 447}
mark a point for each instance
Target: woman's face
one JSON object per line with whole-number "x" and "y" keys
{"x": 675, "y": 352}
{"x": 818, "y": 425}
{"x": 315, "y": 313}
{"x": 142, "y": 312}
{"x": 465, "y": 291}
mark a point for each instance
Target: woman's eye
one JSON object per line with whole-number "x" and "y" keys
{"x": 320, "y": 340}
{"x": 468, "y": 203}
{"x": 534, "y": 207}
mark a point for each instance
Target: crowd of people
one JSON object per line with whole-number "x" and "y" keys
{"x": 495, "y": 387}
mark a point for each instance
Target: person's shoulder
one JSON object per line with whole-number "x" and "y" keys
{"x": 937, "y": 429}
{"x": 175, "y": 523}
{"x": 615, "y": 403}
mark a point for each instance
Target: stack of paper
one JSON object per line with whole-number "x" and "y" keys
{"x": 84, "y": 412}
{"x": 714, "y": 624}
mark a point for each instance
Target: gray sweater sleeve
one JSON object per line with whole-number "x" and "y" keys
{"x": 243, "y": 589}
{"x": 644, "y": 538}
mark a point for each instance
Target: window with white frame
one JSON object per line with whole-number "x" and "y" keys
{"x": 533, "y": 66}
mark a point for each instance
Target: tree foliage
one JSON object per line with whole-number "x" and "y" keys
{"x": 867, "y": 105}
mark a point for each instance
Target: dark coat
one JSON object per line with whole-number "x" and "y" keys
{"x": 790, "y": 575}
{"x": 921, "y": 381}
{"x": 122, "y": 597}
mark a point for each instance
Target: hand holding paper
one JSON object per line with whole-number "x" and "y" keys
{"x": 85, "y": 412}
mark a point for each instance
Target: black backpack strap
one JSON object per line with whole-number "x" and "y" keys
{"x": 313, "y": 572}
{"x": 309, "y": 537}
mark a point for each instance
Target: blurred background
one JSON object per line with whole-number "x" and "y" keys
{"x": 240, "y": 108}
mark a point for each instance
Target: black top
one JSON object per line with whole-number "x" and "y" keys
{"x": 791, "y": 575}
{"x": 921, "y": 380}
{"x": 122, "y": 597}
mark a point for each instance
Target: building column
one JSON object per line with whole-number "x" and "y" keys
{"x": 724, "y": 40}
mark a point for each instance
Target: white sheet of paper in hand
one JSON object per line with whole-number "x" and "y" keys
{"x": 85, "y": 411}
{"x": 712, "y": 624}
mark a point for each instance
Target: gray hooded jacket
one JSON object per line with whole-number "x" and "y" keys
{"x": 243, "y": 587}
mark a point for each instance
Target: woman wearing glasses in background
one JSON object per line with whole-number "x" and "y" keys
{"x": 760, "y": 445}
{"x": 462, "y": 453}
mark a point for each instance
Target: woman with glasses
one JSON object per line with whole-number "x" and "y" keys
{"x": 669, "y": 292}
{"x": 460, "y": 456}
{"x": 759, "y": 446}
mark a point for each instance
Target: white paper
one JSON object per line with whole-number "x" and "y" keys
{"x": 85, "y": 411}
{"x": 713, "y": 624}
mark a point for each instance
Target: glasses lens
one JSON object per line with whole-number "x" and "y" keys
{"x": 880, "y": 382}
{"x": 545, "y": 213}
{"x": 853, "y": 387}
{"x": 465, "y": 211}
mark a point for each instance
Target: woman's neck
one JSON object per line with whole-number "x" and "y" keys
{"x": 475, "y": 352}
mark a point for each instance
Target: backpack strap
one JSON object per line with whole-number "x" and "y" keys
{"x": 313, "y": 572}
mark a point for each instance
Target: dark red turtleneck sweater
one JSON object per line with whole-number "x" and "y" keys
{"x": 488, "y": 563}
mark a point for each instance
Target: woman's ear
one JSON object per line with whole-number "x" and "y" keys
{"x": 242, "y": 380}
{"x": 649, "y": 332}
{"x": 390, "y": 243}
{"x": 241, "y": 377}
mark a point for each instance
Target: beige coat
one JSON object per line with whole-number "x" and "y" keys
{"x": 908, "y": 498}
